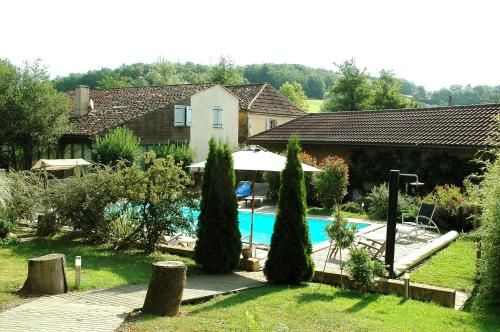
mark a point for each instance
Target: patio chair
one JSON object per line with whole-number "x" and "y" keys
{"x": 423, "y": 222}
{"x": 243, "y": 189}
{"x": 375, "y": 246}
{"x": 260, "y": 193}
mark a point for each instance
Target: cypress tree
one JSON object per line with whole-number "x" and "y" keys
{"x": 218, "y": 247}
{"x": 289, "y": 260}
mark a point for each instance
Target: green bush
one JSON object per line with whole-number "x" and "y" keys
{"x": 289, "y": 260}
{"x": 218, "y": 247}
{"x": 181, "y": 153}
{"x": 47, "y": 225}
{"x": 378, "y": 202}
{"x": 452, "y": 208}
{"x": 27, "y": 196}
{"x": 274, "y": 180}
{"x": 120, "y": 217}
{"x": 157, "y": 197}
{"x": 5, "y": 195}
{"x": 362, "y": 268}
{"x": 331, "y": 183}
{"x": 5, "y": 226}
{"x": 81, "y": 201}
{"x": 341, "y": 233}
{"x": 351, "y": 207}
{"x": 119, "y": 144}
{"x": 489, "y": 232}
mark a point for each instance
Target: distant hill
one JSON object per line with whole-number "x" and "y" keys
{"x": 314, "y": 80}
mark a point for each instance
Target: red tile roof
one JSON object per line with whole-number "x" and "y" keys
{"x": 113, "y": 107}
{"x": 456, "y": 126}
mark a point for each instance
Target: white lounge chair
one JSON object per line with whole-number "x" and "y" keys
{"x": 423, "y": 222}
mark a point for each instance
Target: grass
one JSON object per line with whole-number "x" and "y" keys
{"x": 101, "y": 268}
{"x": 311, "y": 307}
{"x": 326, "y": 212}
{"x": 315, "y": 105}
{"x": 453, "y": 267}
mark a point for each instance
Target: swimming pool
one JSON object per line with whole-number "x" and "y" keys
{"x": 263, "y": 226}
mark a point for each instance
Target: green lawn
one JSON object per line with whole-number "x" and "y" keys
{"x": 101, "y": 268}
{"x": 452, "y": 267}
{"x": 314, "y": 308}
{"x": 315, "y": 105}
{"x": 325, "y": 212}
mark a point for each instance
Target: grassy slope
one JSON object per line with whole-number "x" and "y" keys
{"x": 314, "y": 105}
{"x": 452, "y": 267}
{"x": 310, "y": 308}
{"x": 101, "y": 268}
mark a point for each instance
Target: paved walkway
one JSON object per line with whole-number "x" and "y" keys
{"x": 106, "y": 309}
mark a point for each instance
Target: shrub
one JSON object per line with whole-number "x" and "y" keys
{"x": 311, "y": 193}
{"x": 362, "y": 268}
{"x": 5, "y": 195}
{"x": 47, "y": 225}
{"x": 489, "y": 232}
{"x": 452, "y": 208}
{"x": 218, "y": 247}
{"x": 120, "y": 217}
{"x": 378, "y": 202}
{"x": 289, "y": 260}
{"x": 274, "y": 180}
{"x": 27, "y": 196}
{"x": 351, "y": 207}
{"x": 331, "y": 183}
{"x": 82, "y": 200}
{"x": 5, "y": 225}
{"x": 157, "y": 197}
{"x": 181, "y": 153}
{"x": 118, "y": 144}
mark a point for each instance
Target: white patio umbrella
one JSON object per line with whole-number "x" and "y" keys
{"x": 255, "y": 158}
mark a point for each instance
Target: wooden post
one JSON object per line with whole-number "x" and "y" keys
{"x": 165, "y": 289}
{"x": 46, "y": 275}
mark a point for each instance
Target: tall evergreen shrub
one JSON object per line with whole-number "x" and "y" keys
{"x": 218, "y": 247}
{"x": 289, "y": 260}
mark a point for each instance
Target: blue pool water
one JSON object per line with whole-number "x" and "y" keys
{"x": 263, "y": 226}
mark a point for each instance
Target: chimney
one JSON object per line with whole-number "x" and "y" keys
{"x": 450, "y": 100}
{"x": 82, "y": 99}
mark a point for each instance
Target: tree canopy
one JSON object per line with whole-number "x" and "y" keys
{"x": 351, "y": 91}
{"x": 295, "y": 93}
{"x": 226, "y": 73}
{"x": 33, "y": 112}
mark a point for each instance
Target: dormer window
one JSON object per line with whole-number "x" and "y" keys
{"x": 182, "y": 116}
{"x": 271, "y": 123}
{"x": 217, "y": 110}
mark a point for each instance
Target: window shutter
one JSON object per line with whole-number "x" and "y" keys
{"x": 179, "y": 116}
{"x": 188, "y": 116}
{"x": 217, "y": 112}
{"x": 268, "y": 124}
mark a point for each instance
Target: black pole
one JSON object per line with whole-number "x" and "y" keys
{"x": 392, "y": 210}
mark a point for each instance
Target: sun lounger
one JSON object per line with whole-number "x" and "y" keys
{"x": 260, "y": 193}
{"x": 423, "y": 222}
{"x": 375, "y": 246}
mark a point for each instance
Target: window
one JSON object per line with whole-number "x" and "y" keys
{"x": 217, "y": 117}
{"x": 271, "y": 123}
{"x": 182, "y": 116}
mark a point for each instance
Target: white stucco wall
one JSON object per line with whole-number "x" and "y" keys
{"x": 202, "y": 104}
{"x": 257, "y": 122}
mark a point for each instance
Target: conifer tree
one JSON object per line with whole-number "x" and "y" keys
{"x": 289, "y": 260}
{"x": 218, "y": 247}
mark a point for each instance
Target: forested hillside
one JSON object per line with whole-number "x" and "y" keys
{"x": 314, "y": 80}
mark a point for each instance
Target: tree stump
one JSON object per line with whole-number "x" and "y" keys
{"x": 165, "y": 288}
{"x": 46, "y": 275}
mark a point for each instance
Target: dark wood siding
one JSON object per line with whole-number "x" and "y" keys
{"x": 158, "y": 127}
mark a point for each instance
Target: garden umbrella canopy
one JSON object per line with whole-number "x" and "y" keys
{"x": 58, "y": 164}
{"x": 255, "y": 158}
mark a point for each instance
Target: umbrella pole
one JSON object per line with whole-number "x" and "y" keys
{"x": 253, "y": 209}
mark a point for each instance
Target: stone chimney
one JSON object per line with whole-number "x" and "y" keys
{"x": 82, "y": 99}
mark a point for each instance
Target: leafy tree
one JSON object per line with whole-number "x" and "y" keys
{"x": 331, "y": 183}
{"x": 386, "y": 92}
{"x": 351, "y": 91}
{"x": 114, "y": 80}
{"x": 33, "y": 113}
{"x": 218, "y": 247}
{"x": 289, "y": 260}
{"x": 294, "y": 92}
{"x": 118, "y": 144}
{"x": 341, "y": 234}
{"x": 226, "y": 73}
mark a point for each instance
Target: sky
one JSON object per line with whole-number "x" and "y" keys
{"x": 432, "y": 43}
